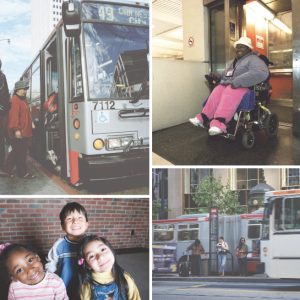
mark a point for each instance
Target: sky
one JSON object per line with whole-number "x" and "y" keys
{"x": 15, "y": 25}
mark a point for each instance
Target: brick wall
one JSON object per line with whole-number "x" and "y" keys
{"x": 36, "y": 221}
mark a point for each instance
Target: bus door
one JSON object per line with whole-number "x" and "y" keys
{"x": 253, "y": 237}
{"x": 50, "y": 107}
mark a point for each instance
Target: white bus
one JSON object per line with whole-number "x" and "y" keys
{"x": 97, "y": 61}
{"x": 182, "y": 232}
{"x": 280, "y": 255}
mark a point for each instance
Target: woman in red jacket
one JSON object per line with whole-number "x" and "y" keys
{"x": 19, "y": 130}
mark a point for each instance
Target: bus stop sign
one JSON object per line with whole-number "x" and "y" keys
{"x": 213, "y": 223}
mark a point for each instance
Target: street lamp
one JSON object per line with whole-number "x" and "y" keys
{"x": 8, "y": 40}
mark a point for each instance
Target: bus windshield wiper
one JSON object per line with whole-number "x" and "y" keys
{"x": 143, "y": 85}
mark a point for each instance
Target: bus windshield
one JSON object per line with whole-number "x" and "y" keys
{"x": 117, "y": 61}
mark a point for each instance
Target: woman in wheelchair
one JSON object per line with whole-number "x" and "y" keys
{"x": 240, "y": 75}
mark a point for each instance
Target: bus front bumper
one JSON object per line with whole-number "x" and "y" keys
{"x": 113, "y": 167}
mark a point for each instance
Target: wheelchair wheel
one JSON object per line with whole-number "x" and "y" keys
{"x": 248, "y": 139}
{"x": 271, "y": 125}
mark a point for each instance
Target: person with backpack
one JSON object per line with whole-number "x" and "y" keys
{"x": 197, "y": 250}
{"x": 4, "y": 108}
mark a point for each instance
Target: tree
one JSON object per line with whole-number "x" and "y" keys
{"x": 156, "y": 209}
{"x": 211, "y": 192}
{"x": 262, "y": 178}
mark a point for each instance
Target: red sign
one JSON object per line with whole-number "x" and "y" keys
{"x": 191, "y": 41}
{"x": 213, "y": 211}
{"x": 259, "y": 42}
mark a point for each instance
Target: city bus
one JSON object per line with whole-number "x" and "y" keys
{"x": 181, "y": 232}
{"x": 280, "y": 241}
{"x": 94, "y": 68}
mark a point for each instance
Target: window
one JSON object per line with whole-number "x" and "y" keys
{"x": 54, "y": 12}
{"x": 280, "y": 44}
{"x": 188, "y": 232}
{"x": 290, "y": 179}
{"x": 287, "y": 214}
{"x": 53, "y": 19}
{"x": 76, "y": 68}
{"x": 53, "y": 6}
{"x": 57, "y": 13}
{"x": 53, "y": 25}
{"x": 196, "y": 176}
{"x": 117, "y": 61}
{"x": 163, "y": 233}
{"x": 254, "y": 229}
{"x": 56, "y": 6}
{"x": 60, "y": 13}
{"x": 246, "y": 179}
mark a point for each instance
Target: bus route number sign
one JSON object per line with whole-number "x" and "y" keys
{"x": 123, "y": 14}
{"x": 116, "y": 13}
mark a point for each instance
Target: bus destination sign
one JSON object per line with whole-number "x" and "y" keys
{"x": 116, "y": 13}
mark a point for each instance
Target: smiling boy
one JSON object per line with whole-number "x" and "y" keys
{"x": 63, "y": 254}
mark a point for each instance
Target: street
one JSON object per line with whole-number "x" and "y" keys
{"x": 224, "y": 290}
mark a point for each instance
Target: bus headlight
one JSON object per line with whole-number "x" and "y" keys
{"x": 98, "y": 144}
{"x": 76, "y": 136}
{"x": 118, "y": 143}
{"x": 114, "y": 143}
{"x": 125, "y": 141}
{"x": 76, "y": 123}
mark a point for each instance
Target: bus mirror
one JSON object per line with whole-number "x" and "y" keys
{"x": 71, "y": 15}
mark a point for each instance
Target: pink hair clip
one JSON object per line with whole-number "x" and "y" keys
{"x": 3, "y": 246}
{"x": 81, "y": 260}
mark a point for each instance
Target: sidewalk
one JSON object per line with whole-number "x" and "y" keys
{"x": 257, "y": 278}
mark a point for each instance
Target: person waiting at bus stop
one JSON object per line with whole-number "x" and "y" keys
{"x": 241, "y": 252}
{"x": 197, "y": 250}
{"x": 222, "y": 249}
{"x": 240, "y": 75}
{"x": 19, "y": 130}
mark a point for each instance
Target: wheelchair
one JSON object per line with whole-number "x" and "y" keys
{"x": 251, "y": 115}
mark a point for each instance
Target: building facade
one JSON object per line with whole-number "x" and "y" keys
{"x": 44, "y": 17}
{"x": 182, "y": 185}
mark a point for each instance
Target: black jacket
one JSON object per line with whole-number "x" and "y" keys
{"x": 4, "y": 95}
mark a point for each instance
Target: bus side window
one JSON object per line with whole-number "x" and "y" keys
{"x": 163, "y": 233}
{"x": 291, "y": 213}
{"x": 188, "y": 232}
{"x": 76, "y": 76}
{"x": 278, "y": 216}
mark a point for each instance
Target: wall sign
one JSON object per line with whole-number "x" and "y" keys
{"x": 191, "y": 41}
{"x": 259, "y": 42}
{"x": 232, "y": 31}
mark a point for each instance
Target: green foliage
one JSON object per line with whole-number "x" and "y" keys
{"x": 262, "y": 178}
{"x": 156, "y": 209}
{"x": 212, "y": 192}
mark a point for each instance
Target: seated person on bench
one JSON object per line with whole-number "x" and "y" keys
{"x": 241, "y": 73}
